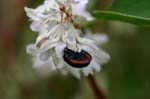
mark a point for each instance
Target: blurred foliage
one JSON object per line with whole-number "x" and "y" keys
{"x": 129, "y": 71}
{"x": 126, "y": 76}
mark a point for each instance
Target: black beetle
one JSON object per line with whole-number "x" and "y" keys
{"x": 77, "y": 59}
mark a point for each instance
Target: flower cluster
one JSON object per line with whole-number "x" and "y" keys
{"x": 59, "y": 44}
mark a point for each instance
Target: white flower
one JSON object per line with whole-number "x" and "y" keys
{"x": 49, "y": 50}
{"x": 47, "y": 15}
{"x": 59, "y": 44}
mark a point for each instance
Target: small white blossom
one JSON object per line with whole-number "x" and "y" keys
{"x": 59, "y": 44}
{"x": 48, "y": 15}
{"x": 50, "y": 51}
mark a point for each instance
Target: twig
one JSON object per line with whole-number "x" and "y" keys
{"x": 99, "y": 94}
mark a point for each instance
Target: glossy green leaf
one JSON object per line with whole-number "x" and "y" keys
{"x": 132, "y": 11}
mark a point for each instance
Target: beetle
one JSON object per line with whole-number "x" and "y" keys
{"x": 77, "y": 59}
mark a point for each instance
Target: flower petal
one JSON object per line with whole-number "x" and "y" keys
{"x": 74, "y": 71}
{"x": 31, "y": 49}
{"x": 59, "y": 49}
{"x": 45, "y": 55}
{"x": 40, "y": 63}
{"x": 98, "y": 38}
{"x": 32, "y": 14}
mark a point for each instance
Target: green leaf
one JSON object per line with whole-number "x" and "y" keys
{"x": 132, "y": 11}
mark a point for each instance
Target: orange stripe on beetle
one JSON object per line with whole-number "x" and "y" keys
{"x": 77, "y": 61}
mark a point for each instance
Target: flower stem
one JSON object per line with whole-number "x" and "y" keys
{"x": 99, "y": 94}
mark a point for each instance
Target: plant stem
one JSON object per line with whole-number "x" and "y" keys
{"x": 99, "y": 94}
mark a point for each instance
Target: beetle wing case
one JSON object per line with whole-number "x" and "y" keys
{"x": 77, "y": 59}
